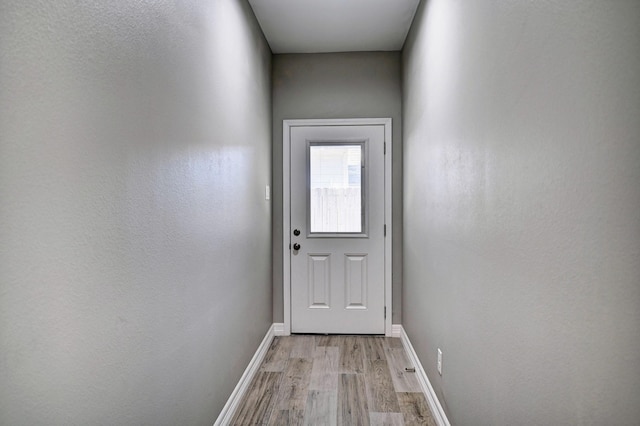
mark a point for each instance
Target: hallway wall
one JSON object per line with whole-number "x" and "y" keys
{"x": 337, "y": 85}
{"x": 522, "y": 201}
{"x": 135, "y": 268}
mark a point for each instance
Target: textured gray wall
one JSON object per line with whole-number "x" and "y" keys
{"x": 337, "y": 85}
{"x": 135, "y": 274}
{"x": 522, "y": 200}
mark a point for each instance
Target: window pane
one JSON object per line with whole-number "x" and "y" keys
{"x": 335, "y": 188}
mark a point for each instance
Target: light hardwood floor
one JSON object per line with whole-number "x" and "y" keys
{"x": 334, "y": 380}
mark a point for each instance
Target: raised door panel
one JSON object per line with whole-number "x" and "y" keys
{"x": 356, "y": 282}
{"x": 319, "y": 281}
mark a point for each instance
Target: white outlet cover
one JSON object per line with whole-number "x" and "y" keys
{"x": 439, "y": 361}
{"x": 267, "y": 192}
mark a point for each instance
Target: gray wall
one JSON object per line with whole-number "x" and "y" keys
{"x": 522, "y": 200}
{"x": 337, "y": 85}
{"x": 135, "y": 143}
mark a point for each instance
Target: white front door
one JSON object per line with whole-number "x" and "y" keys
{"x": 337, "y": 253}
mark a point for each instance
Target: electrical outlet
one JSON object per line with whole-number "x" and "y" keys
{"x": 439, "y": 361}
{"x": 267, "y": 193}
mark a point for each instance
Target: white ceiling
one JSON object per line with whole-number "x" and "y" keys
{"x": 313, "y": 26}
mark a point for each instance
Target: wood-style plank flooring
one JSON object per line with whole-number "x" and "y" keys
{"x": 334, "y": 380}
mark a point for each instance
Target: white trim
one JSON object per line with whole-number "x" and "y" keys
{"x": 434, "y": 404}
{"x": 278, "y": 329}
{"x": 388, "y": 220}
{"x": 396, "y": 330}
{"x": 286, "y": 224}
{"x": 234, "y": 400}
{"x": 286, "y": 208}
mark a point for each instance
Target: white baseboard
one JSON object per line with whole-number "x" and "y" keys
{"x": 396, "y": 330}
{"x": 231, "y": 406}
{"x": 438, "y": 412}
{"x": 278, "y": 329}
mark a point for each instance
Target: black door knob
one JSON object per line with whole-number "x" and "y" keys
{"x": 296, "y": 246}
{"x": 296, "y": 232}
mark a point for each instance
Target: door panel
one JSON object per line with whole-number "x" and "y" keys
{"x": 337, "y": 205}
{"x": 355, "y": 281}
{"x": 319, "y": 281}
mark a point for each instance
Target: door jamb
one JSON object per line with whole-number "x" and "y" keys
{"x": 286, "y": 208}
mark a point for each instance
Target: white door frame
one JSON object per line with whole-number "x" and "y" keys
{"x": 286, "y": 207}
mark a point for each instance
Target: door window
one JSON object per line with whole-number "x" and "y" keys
{"x": 336, "y": 175}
